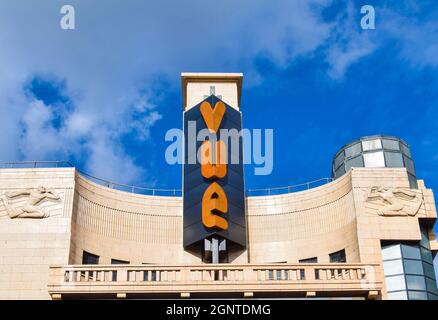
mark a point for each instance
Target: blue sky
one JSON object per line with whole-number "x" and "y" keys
{"x": 104, "y": 95}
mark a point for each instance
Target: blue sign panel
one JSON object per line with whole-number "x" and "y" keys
{"x": 198, "y": 206}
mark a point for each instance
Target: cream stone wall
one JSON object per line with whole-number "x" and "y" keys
{"x": 319, "y": 221}
{"x": 29, "y": 246}
{"x": 125, "y": 226}
{"x": 196, "y": 86}
{"x": 312, "y": 223}
{"x": 148, "y": 229}
{"x": 371, "y": 227}
{"x": 196, "y": 92}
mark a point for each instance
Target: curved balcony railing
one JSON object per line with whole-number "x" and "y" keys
{"x": 349, "y": 279}
{"x": 159, "y": 191}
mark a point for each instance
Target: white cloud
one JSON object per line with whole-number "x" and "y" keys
{"x": 417, "y": 40}
{"x": 118, "y": 48}
{"x": 117, "y": 166}
{"x": 39, "y": 138}
{"x": 348, "y": 44}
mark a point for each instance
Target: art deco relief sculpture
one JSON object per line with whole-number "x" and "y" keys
{"x": 30, "y": 209}
{"x": 397, "y": 202}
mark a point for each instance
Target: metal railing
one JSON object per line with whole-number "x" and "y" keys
{"x": 134, "y": 189}
{"x": 288, "y": 189}
{"x": 159, "y": 191}
{"x": 35, "y": 164}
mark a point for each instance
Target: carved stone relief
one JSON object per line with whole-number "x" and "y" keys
{"x": 31, "y": 208}
{"x": 395, "y": 201}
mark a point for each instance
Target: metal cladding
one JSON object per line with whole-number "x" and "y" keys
{"x": 375, "y": 152}
{"x": 214, "y": 199}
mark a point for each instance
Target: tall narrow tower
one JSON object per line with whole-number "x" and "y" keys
{"x": 213, "y": 187}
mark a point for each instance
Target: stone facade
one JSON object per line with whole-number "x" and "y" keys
{"x": 282, "y": 229}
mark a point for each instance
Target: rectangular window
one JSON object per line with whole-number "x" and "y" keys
{"x": 417, "y": 295}
{"x": 374, "y": 159}
{"x": 393, "y": 267}
{"x": 426, "y": 255}
{"x": 340, "y": 171}
{"x": 339, "y": 160}
{"x": 309, "y": 260}
{"x": 413, "y": 266}
{"x": 353, "y": 150}
{"x": 390, "y": 252}
{"x": 354, "y": 162}
{"x": 394, "y": 160}
{"x": 428, "y": 270}
{"x": 411, "y": 251}
{"x": 116, "y": 261}
{"x": 399, "y": 295}
{"x": 89, "y": 258}
{"x": 405, "y": 149}
{"x": 416, "y": 282}
{"x": 395, "y": 283}
{"x": 338, "y": 256}
{"x": 409, "y": 164}
{"x": 390, "y": 144}
{"x": 368, "y": 145}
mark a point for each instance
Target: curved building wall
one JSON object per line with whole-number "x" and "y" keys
{"x": 125, "y": 226}
{"x": 303, "y": 225}
{"x": 281, "y": 228}
{"x": 148, "y": 229}
{"x": 348, "y": 214}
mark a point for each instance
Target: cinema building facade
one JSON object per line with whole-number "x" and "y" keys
{"x": 365, "y": 233}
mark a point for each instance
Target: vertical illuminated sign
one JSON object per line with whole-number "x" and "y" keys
{"x": 214, "y": 202}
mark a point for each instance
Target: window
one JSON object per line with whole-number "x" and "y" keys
{"x": 416, "y": 283}
{"x": 390, "y": 144}
{"x": 409, "y": 164}
{"x": 89, "y": 258}
{"x": 353, "y": 150}
{"x": 338, "y": 256}
{"x": 411, "y": 251}
{"x": 371, "y": 144}
{"x": 339, "y": 160}
{"x": 394, "y": 160}
{"x": 417, "y": 295}
{"x": 395, "y": 283}
{"x": 393, "y": 267}
{"x": 340, "y": 171}
{"x": 398, "y": 295}
{"x": 408, "y": 270}
{"x": 405, "y": 149}
{"x": 391, "y": 252}
{"x": 354, "y": 162}
{"x": 374, "y": 159}
{"x": 116, "y": 261}
{"x": 413, "y": 266}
